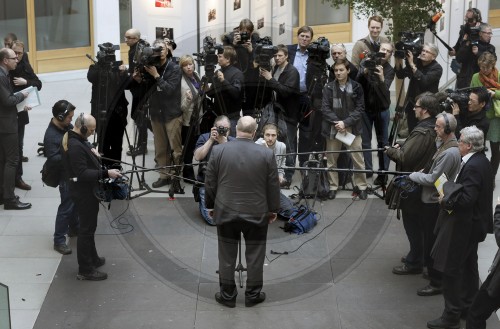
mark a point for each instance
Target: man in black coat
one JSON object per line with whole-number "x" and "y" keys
{"x": 475, "y": 115}
{"x": 22, "y": 77}
{"x": 82, "y": 164}
{"x": 459, "y": 232}
{"x": 284, "y": 81}
{"x": 9, "y": 143}
{"x": 242, "y": 188}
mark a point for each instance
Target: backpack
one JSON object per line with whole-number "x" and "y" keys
{"x": 302, "y": 220}
{"x": 50, "y": 175}
{"x": 314, "y": 183}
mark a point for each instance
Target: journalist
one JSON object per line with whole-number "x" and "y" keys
{"x": 67, "y": 217}
{"x": 82, "y": 164}
{"x": 371, "y": 43}
{"x": 376, "y": 76}
{"x": 475, "y": 114}
{"x": 338, "y": 51}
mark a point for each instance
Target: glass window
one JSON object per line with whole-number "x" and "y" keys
{"x": 494, "y": 4}
{"x": 318, "y": 13}
{"x": 125, "y": 16}
{"x": 62, "y": 24}
{"x": 4, "y": 307}
{"x": 13, "y": 20}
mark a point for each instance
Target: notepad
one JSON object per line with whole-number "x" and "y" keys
{"x": 439, "y": 183}
{"x": 347, "y": 138}
{"x": 32, "y": 100}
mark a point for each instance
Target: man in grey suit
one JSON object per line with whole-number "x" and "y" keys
{"x": 9, "y": 144}
{"x": 242, "y": 188}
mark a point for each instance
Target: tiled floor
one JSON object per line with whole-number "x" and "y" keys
{"x": 161, "y": 260}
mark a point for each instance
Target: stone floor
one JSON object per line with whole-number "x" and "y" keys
{"x": 161, "y": 260}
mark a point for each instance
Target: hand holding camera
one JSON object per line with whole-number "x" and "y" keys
{"x": 219, "y": 134}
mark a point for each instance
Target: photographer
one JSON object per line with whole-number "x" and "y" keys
{"x": 227, "y": 87}
{"x": 475, "y": 114}
{"x": 472, "y": 19}
{"x": 108, "y": 103}
{"x": 219, "y": 134}
{"x": 284, "y": 81}
{"x": 376, "y": 76}
{"x": 424, "y": 73}
{"x": 371, "y": 43}
{"x": 469, "y": 53}
{"x": 165, "y": 110}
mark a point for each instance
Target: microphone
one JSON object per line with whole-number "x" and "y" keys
{"x": 434, "y": 19}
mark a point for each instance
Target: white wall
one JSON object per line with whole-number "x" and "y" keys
{"x": 106, "y": 26}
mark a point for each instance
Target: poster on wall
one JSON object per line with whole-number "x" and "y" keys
{"x": 165, "y": 33}
{"x": 163, "y": 3}
{"x": 236, "y": 10}
{"x": 212, "y": 15}
{"x": 236, "y": 4}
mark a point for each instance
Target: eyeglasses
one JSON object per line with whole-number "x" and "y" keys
{"x": 488, "y": 33}
{"x": 428, "y": 52}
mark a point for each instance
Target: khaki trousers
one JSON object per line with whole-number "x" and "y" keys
{"x": 167, "y": 138}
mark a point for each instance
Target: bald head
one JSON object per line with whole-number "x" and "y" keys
{"x": 86, "y": 120}
{"x": 246, "y": 127}
{"x": 132, "y": 37}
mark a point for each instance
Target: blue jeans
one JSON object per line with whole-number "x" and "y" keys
{"x": 381, "y": 122}
{"x": 203, "y": 208}
{"x": 66, "y": 214}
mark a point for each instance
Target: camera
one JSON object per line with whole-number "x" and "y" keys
{"x": 373, "y": 59}
{"x": 264, "y": 52}
{"x": 208, "y": 57}
{"x": 473, "y": 34}
{"x": 221, "y": 130}
{"x": 244, "y": 37}
{"x": 452, "y": 96}
{"x": 145, "y": 55}
{"x": 106, "y": 55}
{"x": 410, "y": 41}
{"x": 319, "y": 50}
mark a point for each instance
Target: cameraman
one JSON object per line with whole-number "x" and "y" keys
{"x": 165, "y": 110}
{"x": 376, "y": 81}
{"x": 218, "y": 134}
{"x": 469, "y": 53}
{"x": 472, "y": 19}
{"x": 475, "y": 115}
{"x": 227, "y": 87}
{"x": 424, "y": 74}
{"x": 284, "y": 81}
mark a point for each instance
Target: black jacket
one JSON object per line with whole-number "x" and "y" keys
{"x": 52, "y": 146}
{"x": 25, "y": 71}
{"x": 377, "y": 93}
{"x": 165, "y": 101}
{"x": 287, "y": 92}
{"x": 227, "y": 94}
{"x": 467, "y": 119}
{"x": 469, "y": 62}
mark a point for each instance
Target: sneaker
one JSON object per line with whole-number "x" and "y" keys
{"x": 63, "y": 249}
{"x": 92, "y": 276}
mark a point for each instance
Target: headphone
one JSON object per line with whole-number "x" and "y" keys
{"x": 447, "y": 128}
{"x": 477, "y": 14}
{"x": 83, "y": 127}
{"x": 66, "y": 111}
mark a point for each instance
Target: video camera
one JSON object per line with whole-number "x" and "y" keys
{"x": 410, "y": 41}
{"x": 373, "y": 59}
{"x": 461, "y": 97}
{"x": 208, "y": 57}
{"x": 472, "y": 33}
{"x": 319, "y": 50}
{"x": 106, "y": 55}
{"x": 146, "y": 55}
{"x": 264, "y": 52}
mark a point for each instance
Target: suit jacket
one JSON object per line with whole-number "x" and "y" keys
{"x": 8, "y": 102}
{"x": 471, "y": 218}
{"x": 241, "y": 182}
{"x": 25, "y": 71}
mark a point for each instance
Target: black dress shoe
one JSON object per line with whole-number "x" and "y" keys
{"x": 63, "y": 249}
{"x": 25, "y": 159}
{"x": 249, "y": 302}
{"x": 161, "y": 182}
{"x": 429, "y": 290}
{"x": 380, "y": 180}
{"x": 92, "y": 276}
{"x": 15, "y": 205}
{"x": 363, "y": 195}
{"x": 332, "y": 194}
{"x": 405, "y": 270}
{"x": 22, "y": 185}
{"x": 231, "y": 303}
{"x": 137, "y": 151}
{"x": 441, "y": 323}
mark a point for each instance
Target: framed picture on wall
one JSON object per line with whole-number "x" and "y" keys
{"x": 236, "y": 4}
{"x": 165, "y": 33}
{"x": 163, "y": 3}
{"x": 212, "y": 14}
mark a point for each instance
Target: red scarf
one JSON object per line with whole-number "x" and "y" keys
{"x": 490, "y": 80}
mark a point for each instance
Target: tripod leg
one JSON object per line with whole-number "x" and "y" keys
{"x": 240, "y": 268}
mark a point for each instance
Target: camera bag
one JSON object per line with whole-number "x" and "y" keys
{"x": 302, "y": 220}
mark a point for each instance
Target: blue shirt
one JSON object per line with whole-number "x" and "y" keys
{"x": 300, "y": 63}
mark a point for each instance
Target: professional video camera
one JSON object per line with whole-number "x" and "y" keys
{"x": 410, "y": 41}
{"x": 264, "y": 52}
{"x": 319, "y": 51}
{"x": 461, "y": 97}
{"x": 208, "y": 57}
{"x": 146, "y": 55}
{"x": 106, "y": 56}
{"x": 473, "y": 34}
{"x": 373, "y": 59}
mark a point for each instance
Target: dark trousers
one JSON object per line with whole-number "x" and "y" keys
{"x": 412, "y": 222}
{"x": 482, "y": 307}
{"x": 67, "y": 216}
{"x": 381, "y": 122}
{"x": 495, "y": 157}
{"x": 9, "y": 159}
{"x": 255, "y": 251}
{"x": 429, "y": 215}
{"x": 305, "y": 140}
{"x": 189, "y": 144}
{"x": 113, "y": 139}
{"x": 20, "y": 133}
{"x": 291, "y": 147}
{"x": 87, "y": 208}
{"x": 460, "y": 286}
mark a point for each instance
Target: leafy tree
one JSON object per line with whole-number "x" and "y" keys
{"x": 400, "y": 15}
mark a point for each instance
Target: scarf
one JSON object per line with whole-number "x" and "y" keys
{"x": 490, "y": 80}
